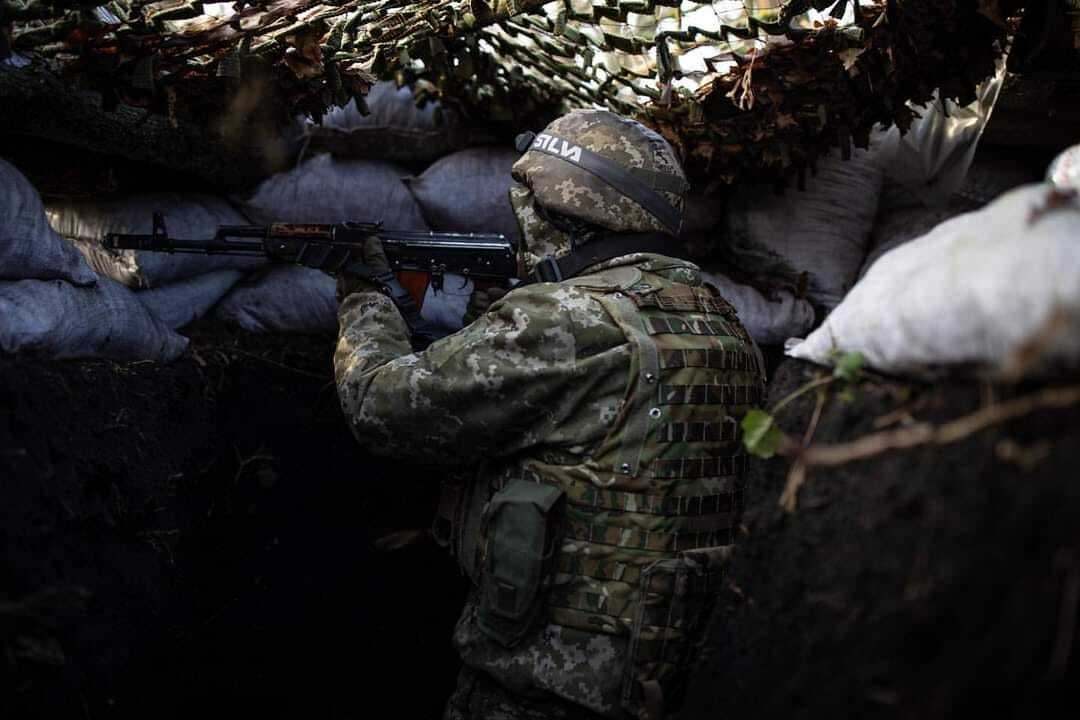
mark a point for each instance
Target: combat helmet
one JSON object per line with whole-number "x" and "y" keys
{"x": 594, "y": 169}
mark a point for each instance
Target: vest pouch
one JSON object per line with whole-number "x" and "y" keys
{"x": 675, "y": 599}
{"x": 524, "y": 527}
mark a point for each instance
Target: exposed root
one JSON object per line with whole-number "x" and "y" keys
{"x": 797, "y": 475}
{"x": 918, "y": 434}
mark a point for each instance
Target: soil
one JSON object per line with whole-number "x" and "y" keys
{"x": 195, "y": 538}
{"x": 932, "y": 582}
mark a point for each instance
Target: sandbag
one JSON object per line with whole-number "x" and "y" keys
{"x": 294, "y": 299}
{"x": 85, "y": 223}
{"x": 185, "y": 301}
{"x": 54, "y": 319}
{"x": 702, "y": 225}
{"x": 468, "y": 192}
{"x": 769, "y": 320}
{"x": 902, "y": 215}
{"x": 328, "y": 190}
{"x": 446, "y": 307}
{"x": 282, "y": 299}
{"x": 822, "y": 231}
{"x": 29, "y": 249}
{"x": 395, "y": 130}
{"x": 999, "y": 288}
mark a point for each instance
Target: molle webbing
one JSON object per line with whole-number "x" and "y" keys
{"x": 709, "y": 394}
{"x": 651, "y": 540}
{"x": 725, "y": 431}
{"x": 586, "y": 495}
{"x": 689, "y": 326}
{"x": 688, "y": 301}
{"x": 712, "y": 358}
{"x": 596, "y": 569}
{"x": 699, "y": 467}
{"x": 655, "y": 506}
{"x": 658, "y": 611}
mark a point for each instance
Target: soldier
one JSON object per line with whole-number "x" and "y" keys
{"x": 595, "y": 412}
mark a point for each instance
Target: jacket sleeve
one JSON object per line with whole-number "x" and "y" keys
{"x": 492, "y": 389}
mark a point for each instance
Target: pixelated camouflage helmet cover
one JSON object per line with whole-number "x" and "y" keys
{"x": 607, "y": 170}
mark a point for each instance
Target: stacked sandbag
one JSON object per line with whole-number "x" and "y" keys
{"x": 28, "y": 246}
{"x": 282, "y": 299}
{"x": 51, "y": 302}
{"x": 997, "y": 288}
{"x": 293, "y": 299}
{"x": 770, "y": 318}
{"x": 395, "y": 129}
{"x": 902, "y": 216}
{"x": 55, "y": 319}
{"x": 445, "y": 307}
{"x": 325, "y": 189}
{"x": 813, "y": 240}
{"x": 702, "y": 225}
{"x": 85, "y": 223}
{"x": 468, "y": 191}
{"x": 183, "y": 302}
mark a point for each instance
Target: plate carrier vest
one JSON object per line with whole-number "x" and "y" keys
{"x": 650, "y": 514}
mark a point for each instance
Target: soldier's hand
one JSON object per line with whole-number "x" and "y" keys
{"x": 356, "y": 278}
{"x": 480, "y": 301}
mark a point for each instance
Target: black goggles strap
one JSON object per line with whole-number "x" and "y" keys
{"x": 617, "y": 177}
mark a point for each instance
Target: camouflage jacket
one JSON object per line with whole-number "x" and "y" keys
{"x": 540, "y": 379}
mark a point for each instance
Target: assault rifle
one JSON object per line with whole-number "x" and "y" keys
{"x": 417, "y": 257}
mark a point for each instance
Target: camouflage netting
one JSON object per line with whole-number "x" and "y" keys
{"x": 744, "y": 88}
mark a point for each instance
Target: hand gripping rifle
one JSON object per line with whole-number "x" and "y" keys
{"x": 416, "y": 258}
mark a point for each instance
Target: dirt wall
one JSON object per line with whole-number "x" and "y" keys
{"x": 197, "y": 537}
{"x": 927, "y": 582}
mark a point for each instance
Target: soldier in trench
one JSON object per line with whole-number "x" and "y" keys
{"x": 594, "y": 412}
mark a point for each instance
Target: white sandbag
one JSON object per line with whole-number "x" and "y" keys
{"x": 187, "y": 216}
{"x": 822, "y": 231}
{"x": 395, "y": 129}
{"x": 770, "y": 321}
{"x": 282, "y": 299}
{"x": 446, "y": 307}
{"x": 185, "y": 301}
{"x": 976, "y": 289}
{"x": 468, "y": 192}
{"x": 28, "y": 246}
{"x": 54, "y": 319}
{"x": 327, "y": 190}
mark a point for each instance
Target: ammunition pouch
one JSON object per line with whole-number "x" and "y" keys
{"x": 523, "y": 528}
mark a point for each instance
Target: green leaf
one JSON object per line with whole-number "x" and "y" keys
{"x": 849, "y": 366}
{"x": 760, "y": 434}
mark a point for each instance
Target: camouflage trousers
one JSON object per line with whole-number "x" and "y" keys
{"x": 479, "y": 697}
